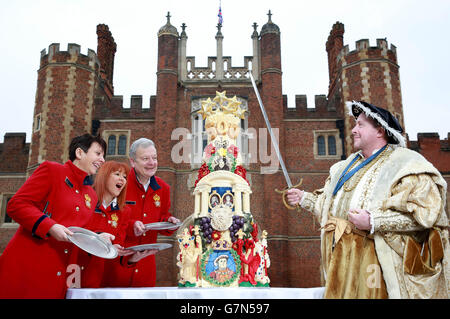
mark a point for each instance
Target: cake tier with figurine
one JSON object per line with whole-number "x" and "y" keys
{"x": 220, "y": 245}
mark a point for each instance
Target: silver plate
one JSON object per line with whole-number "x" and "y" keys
{"x": 92, "y": 243}
{"x": 158, "y": 246}
{"x": 162, "y": 225}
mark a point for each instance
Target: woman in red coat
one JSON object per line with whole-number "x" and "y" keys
{"x": 111, "y": 220}
{"x": 35, "y": 263}
{"x": 148, "y": 196}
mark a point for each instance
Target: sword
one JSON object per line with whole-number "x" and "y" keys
{"x": 275, "y": 145}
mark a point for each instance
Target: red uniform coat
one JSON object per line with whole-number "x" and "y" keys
{"x": 33, "y": 264}
{"x": 149, "y": 207}
{"x": 110, "y": 220}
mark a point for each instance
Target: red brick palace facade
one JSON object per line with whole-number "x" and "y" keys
{"x": 75, "y": 94}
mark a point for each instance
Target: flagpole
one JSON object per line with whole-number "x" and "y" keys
{"x": 220, "y": 13}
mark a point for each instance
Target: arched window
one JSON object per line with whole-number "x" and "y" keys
{"x": 327, "y": 144}
{"x": 111, "y": 145}
{"x": 321, "y": 145}
{"x": 331, "y": 145}
{"x": 122, "y": 145}
{"x": 117, "y": 142}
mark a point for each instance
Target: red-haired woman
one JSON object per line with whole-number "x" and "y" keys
{"x": 110, "y": 219}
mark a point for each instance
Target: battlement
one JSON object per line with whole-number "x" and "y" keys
{"x": 115, "y": 108}
{"x": 209, "y": 74}
{"x": 433, "y": 149}
{"x": 322, "y": 108}
{"x": 14, "y": 153}
{"x": 219, "y": 68}
{"x": 72, "y": 55}
{"x": 430, "y": 140}
{"x": 362, "y": 46}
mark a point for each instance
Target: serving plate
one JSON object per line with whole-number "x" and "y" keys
{"x": 92, "y": 243}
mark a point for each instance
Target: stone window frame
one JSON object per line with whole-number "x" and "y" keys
{"x": 4, "y": 197}
{"x": 37, "y": 122}
{"x": 117, "y": 133}
{"x": 199, "y": 135}
{"x": 326, "y": 134}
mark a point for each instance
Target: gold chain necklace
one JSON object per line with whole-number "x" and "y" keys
{"x": 362, "y": 172}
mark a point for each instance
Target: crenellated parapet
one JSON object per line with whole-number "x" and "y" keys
{"x": 115, "y": 109}
{"x": 73, "y": 55}
{"x": 219, "y": 68}
{"x": 364, "y": 52}
{"x": 209, "y": 73}
{"x": 14, "y": 153}
{"x": 322, "y": 108}
{"x": 433, "y": 149}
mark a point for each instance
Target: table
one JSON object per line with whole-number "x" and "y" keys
{"x": 196, "y": 293}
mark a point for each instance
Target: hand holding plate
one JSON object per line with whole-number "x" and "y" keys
{"x": 91, "y": 242}
{"x": 173, "y": 220}
{"x": 139, "y": 228}
{"x": 122, "y": 251}
{"x": 107, "y": 237}
{"x": 60, "y": 232}
{"x": 138, "y": 255}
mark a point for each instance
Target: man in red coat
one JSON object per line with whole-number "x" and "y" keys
{"x": 35, "y": 262}
{"x": 149, "y": 199}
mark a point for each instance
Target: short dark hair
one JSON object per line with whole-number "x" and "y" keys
{"x": 84, "y": 142}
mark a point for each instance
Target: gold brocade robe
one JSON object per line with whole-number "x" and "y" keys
{"x": 405, "y": 195}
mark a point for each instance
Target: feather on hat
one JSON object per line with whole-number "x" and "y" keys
{"x": 381, "y": 116}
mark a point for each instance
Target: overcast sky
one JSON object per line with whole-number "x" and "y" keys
{"x": 419, "y": 29}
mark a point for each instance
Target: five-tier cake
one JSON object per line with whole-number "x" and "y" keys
{"x": 219, "y": 243}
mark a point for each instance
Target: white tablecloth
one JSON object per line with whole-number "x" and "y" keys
{"x": 196, "y": 293}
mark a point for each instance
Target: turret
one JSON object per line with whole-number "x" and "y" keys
{"x": 368, "y": 73}
{"x": 270, "y": 48}
{"x": 166, "y": 91}
{"x": 271, "y": 93}
{"x": 271, "y": 80}
{"x": 64, "y": 101}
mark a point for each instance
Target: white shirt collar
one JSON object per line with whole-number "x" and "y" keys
{"x": 114, "y": 201}
{"x": 147, "y": 184}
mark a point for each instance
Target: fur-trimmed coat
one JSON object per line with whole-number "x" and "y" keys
{"x": 406, "y": 199}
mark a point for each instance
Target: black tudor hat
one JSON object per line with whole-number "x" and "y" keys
{"x": 380, "y": 115}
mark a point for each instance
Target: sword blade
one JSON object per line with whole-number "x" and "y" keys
{"x": 272, "y": 135}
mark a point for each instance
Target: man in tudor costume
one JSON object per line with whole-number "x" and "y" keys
{"x": 148, "y": 196}
{"x": 384, "y": 225}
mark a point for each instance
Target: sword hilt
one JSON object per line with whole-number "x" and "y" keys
{"x": 284, "y": 194}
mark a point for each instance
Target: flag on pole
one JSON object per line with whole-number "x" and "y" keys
{"x": 220, "y": 13}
